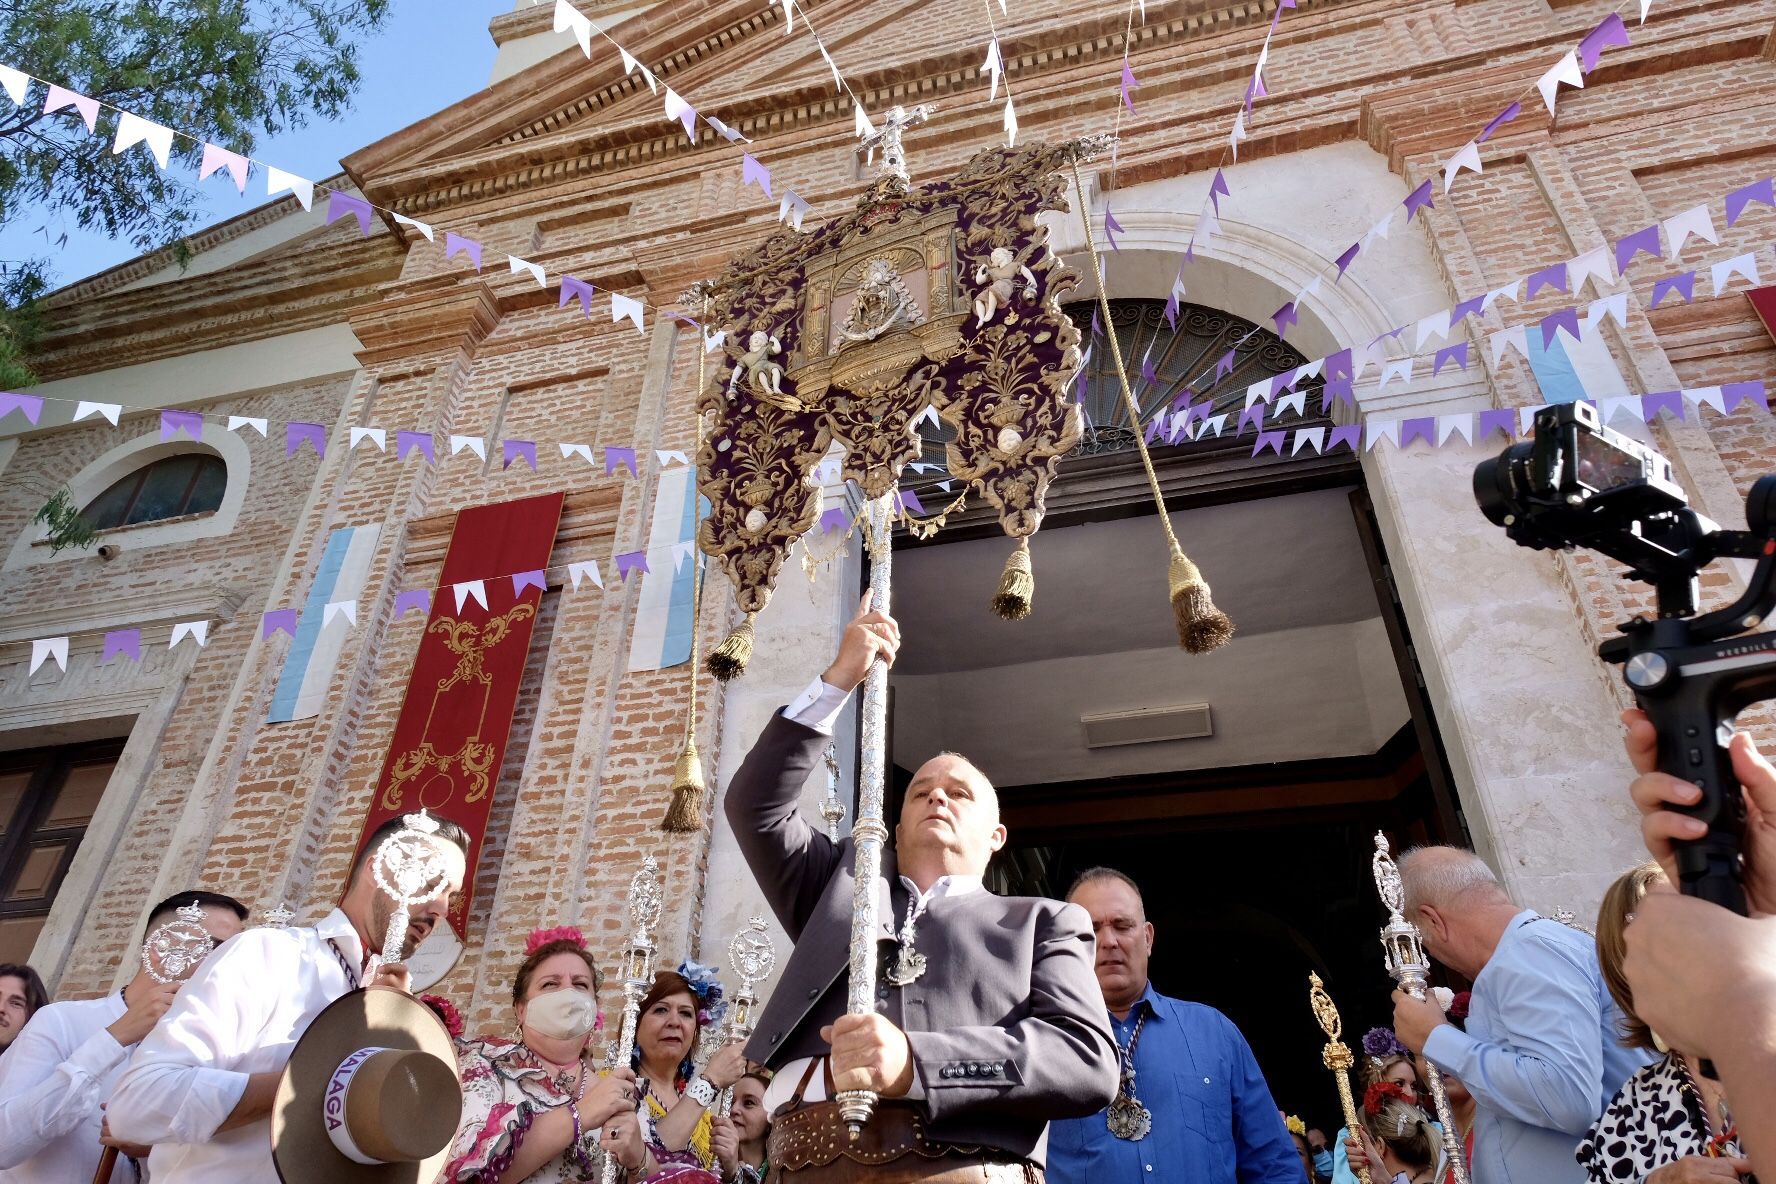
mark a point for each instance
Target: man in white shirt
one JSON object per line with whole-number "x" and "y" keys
{"x": 61, "y": 1069}
{"x": 200, "y": 1087}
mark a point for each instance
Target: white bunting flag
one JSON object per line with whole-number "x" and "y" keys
{"x": 581, "y": 450}
{"x": 569, "y": 17}
{"x": 1741, "y": 265}
{"x": 377, "y": 436}
{"x": 340, "y": 608}
{"x": 584, "y": 571}
{"x": 1310, "y": 369}
{"x": 1596, "y": 264}
{"x": 727, "y": 133}
{"x": 1455, "y": 425}
{"x": 535, "y": 269}
{"x": 1614, "y": 307}
{"x": 1504, "y": 339}
{"x": 1512, "y": 291}
{"x": 713, "y": 341}
{"x": 1401, "y": 370}
{"x": 1646, "y": 6}
{"x": 681, "y": 551}
{"x": 468, "y": 590}
{"x": 1567, "y": 71}
{"x": 1630, "y": 404}
{"x": 198, "y": 631}
{"x": 1296, "y": 402}
{"x": 55, "y": 648}
{"x": 1436, "y": 325}
{"x": 1238, "y": 133}
{"x": 993, "y": 66}
{"x": 626, "y": 307}
{"x": 1258, "y": 392}
{"x": 474, "y": 444}
{"x": 860, "y": 121}
{"x": 133, "y": 129}
{"x": 16, "y": 83}
{"x": 1208, "y": 225}
{"x": 278, "y": 181}
{"x": 423, "y": 227}
{"x": 668, "y": 456}
{"x": 1214, "y": 423}
{"x": 1468, "y": 158}
{"x": 788, "y": 17}
{"x": 791, "y": 208}
{"x": 1697, "y": 221}
{"x": 1706, "y": 396}
{"x": 1380, "y": 229}
{"x": 838, "y": 83}
{"x": 1011, "y": 124}
{"x": 109, "y": 410}
{"x": 682, "y": 113}
{"x": 257, "y": 423}
{"x": 631, "y": 66}
{"x": 1378, "y": 430}
{"x": 1309, "y": 436}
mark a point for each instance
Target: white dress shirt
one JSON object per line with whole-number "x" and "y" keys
{"x": 818, "y": 706}
{"x": 241, "y": 1013}
{"x": 52, "y": 1082}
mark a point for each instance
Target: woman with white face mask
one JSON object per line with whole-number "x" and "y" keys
{"x": 535, "y": 1109}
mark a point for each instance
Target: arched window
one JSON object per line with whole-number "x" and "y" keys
{"x": 171, "y": 487}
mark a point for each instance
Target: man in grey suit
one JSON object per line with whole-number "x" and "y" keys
{"x": 989, "y": 1021}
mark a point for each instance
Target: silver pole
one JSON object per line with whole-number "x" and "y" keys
{"x": 1406, "y": 962}
{"x": 638, "y": 972}
{"x": 869, "y": 831}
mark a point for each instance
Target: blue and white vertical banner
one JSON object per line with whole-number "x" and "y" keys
{"x": 326, "y": 618}
{"x": 663, "y": 617}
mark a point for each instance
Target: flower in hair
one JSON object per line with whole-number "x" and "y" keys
{"x": 1458, "y": 1006}
{"x": 453, "y": 1021}
{"x": 705, "y": 984}
{"x": 1295, "y": 1125}
{"x": 541, "y": 937}
{"x": 1381, "y": 1043}
{"x": 1375, "y": 1098}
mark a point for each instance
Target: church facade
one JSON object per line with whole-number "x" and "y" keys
{"x": 1422, "y": 627}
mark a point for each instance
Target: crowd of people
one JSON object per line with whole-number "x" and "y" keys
{"x": 1011, "y": 1037}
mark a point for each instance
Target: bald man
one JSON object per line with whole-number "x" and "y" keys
{"x": 1542, "y": 1053}
{"x": 988, "y": 1020}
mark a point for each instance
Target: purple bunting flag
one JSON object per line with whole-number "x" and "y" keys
{"x": 1498, "y": 121}
{"x": 513, "y": 449}
{"x": 1496, "y": 420}
{"x": 1112, "y": 228}
{"x": 1735, "y": 393}
{"x": 1684, "y": 285}
{"x": 1346, "y": 259}
{"x": 833, "y": 520}
{"x": 529, "y": 579}
{"x": 1418, "y": 199}
{"x": 1218, "y": 189}
{"x": 1764, "y": 191}
{"x": 278, "y": 620}
{"x": 1566, "y": 318}
{"x": 1458, "y": 354}
{"x": 1224, "y": 365}
{"x": 1339, "y": 389}
{"x": 174, "y": 422}
{"x": 454, "y": 243}
{"x": 1270, "y": 440}
{"x": 1424, "y": 428}
{"x": 754, "y": 173}
{"x": 127, "y": 642}
{"x": 1467, "y": 308}
{"x": 1549, "y": 277}
{"x": 1671, "y": 401}
{"x": 413, "y": 598}
{"x": 1153, "y": 426}
{"x": 1610, "y": 31}
{"x": 1349, "y": 435}
{"x": 420, "y": 442}
{"x": 1280, "y": 383}
{"x": 32, "y": 407}
{"x": 907, "y": 500}
{"x": 1641, "y": 240}
{"x": 573, "y": 289}
{"x": 1283, "y": 317}
{"x": 1253, "y": 415}
{"x": 340, "y": 204}
{"x": 1148, "y": 374}
{"x": 1172, "y": 309}
{"x": 296, "y": 433}
{"x": 630, "y": 561}
{"x": 625, "y": 457}
{"x": 1128, "y": 84}
{"x": 1183, "y": 399}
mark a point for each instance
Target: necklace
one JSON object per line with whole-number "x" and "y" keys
{"x": 563, "y": 1075}
{"x": 1715, "y": 1144}
{"x": 909, "y": 964}
{"x": 1127, "y": 1118}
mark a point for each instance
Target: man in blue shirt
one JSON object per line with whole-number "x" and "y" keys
{"x": 1542, "y": 1053}
{"x": 1193, "y": 1107}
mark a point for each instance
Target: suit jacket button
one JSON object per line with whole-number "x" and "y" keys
{"x": 776, "y": 1036}
{"x": 944, "y": 1072}
{"x": 814, "y": 992}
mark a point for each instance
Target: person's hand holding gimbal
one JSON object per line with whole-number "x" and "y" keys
{"x": 1655, "y": 792}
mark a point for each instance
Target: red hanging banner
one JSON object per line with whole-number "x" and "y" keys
{"x": 1763, "y": 301}
{"x": 451, "y": 735}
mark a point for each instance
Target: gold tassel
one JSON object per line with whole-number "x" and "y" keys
{"x": 1201, "y": 626}
{"x": 686, "y": 812}
{"x": 728, "y": 660}
{"x": 1017, "y": 587}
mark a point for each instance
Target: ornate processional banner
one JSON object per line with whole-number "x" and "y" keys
{"x": 457, "y": 715}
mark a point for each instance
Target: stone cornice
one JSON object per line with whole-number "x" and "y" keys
{"x": 407, "y": 323}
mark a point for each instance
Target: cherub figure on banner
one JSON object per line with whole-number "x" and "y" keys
{"x": 999, "y": 272}
{"x": 883, "y": 304}
{"x": 764, "y": 377}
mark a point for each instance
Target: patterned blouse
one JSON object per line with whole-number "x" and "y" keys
{"x": 505, "y": 1086}
{"x": 1655, "y": 1119}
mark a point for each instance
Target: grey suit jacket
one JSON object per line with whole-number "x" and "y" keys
{"x": 1007, "y": 1024}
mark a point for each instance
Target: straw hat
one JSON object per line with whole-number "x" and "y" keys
{"x": 370, "y": 1095}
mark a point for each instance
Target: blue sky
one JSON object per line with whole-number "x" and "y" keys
{"x": 427, "y": 56}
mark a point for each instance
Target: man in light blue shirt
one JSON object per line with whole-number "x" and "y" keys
{"x": 1193, "y": 1107}
{"x": 1542, "y": 1053}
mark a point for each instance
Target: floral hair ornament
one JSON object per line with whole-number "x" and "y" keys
{"x": 1381, "y": 1044}
{"x": 540, "y": 937}
{"x": 1458, "y": 1006}
{"x": 706, "y": 985}
{"x": 453, "y": 1021}
{"x": 1375, "y": 1098}
{"x": 1295, "y": 1125}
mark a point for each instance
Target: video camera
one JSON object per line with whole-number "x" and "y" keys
{"x": 1577, "y": 483}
